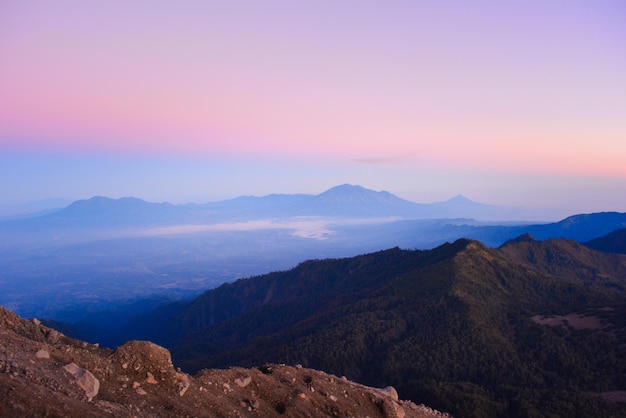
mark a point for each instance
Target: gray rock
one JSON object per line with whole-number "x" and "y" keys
{"x": 84, "y": 379}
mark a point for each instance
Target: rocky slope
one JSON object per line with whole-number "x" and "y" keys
{"x": 45, "y": 373}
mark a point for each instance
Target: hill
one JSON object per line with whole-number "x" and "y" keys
{"x": 43, "y": 373}
{"x": 615, "y": 242}
{"x": 582, "y": 227}
{"x": 568, "y": 260}
{"x": 531, "y": 329}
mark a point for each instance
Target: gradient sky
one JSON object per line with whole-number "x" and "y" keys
{"x": 516, "y": 102}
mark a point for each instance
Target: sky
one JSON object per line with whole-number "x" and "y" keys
{"x": 511, "y": 103}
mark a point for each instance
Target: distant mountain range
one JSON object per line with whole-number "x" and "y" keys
{"x": 534, "y": 328}
{"x": 105, "y": 253}
{"x": 341, "y": 209}
{"x": 340, "y": 201}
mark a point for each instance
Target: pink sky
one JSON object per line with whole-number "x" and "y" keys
{"x": 489, "y": 90}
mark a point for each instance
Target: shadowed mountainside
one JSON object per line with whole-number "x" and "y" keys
{"x": 615, "y": 242}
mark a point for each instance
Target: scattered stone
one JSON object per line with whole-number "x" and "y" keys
{"x": 42, "y": 354}
{"x": 242, "y": 382}
{"x": 390, "y": 391}
{"x": 150, "y": 379}
{"x": 36, "y": 321}
{"x": 333, "y": 398}
{"x": 183, "y": 389}
{"x": 183, "y": 383}
{"x": 400, "y": 413}
{"x": 141, "y": 392}
{"x": 84, "y": 379}
{"x": 136, "y": 385}
{"x": 53, "y": 336}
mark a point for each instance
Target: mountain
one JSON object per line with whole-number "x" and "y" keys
{"x": 349, "y": 209}
{"x": 102, "y": 211}
{"x": 349, "y": 200}
{"x": 530, "y": 329}
{"x": 340, "y": 201}
{"x": 615, "y": 242}
{"x": 581, "y": 227}
{"x": 461, "y": 206}
{"x": 43, "y": 373}
{"x": 569, "y": 261}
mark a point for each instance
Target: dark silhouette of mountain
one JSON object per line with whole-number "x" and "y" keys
{"x": 615, "y": 242}
{"x": 533, "y": 328}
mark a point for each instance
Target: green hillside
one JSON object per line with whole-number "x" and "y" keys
{"x": 463, "y": 328}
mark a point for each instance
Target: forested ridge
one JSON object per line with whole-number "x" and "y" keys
{"x": 458, "y": 328}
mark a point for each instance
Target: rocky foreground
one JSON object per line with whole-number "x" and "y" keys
{"x": 43, "y": 373}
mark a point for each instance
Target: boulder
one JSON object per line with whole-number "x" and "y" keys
{"x": 84, "y": 379}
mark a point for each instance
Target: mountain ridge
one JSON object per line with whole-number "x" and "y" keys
{"x": 614, "y": 242}
{"x": 452, "y": 319}
{"x": 341, "y": 200}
